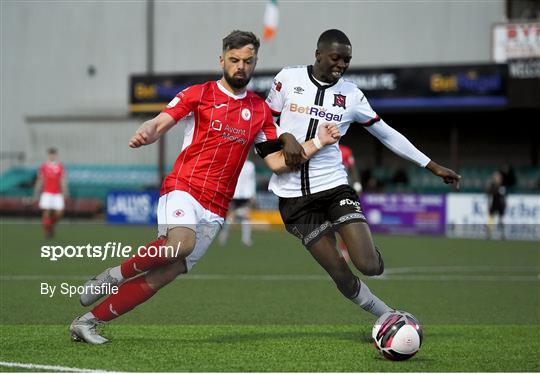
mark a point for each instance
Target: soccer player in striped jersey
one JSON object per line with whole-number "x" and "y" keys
{"x": 223, "y": 121}
{"x": 316, "y": 201}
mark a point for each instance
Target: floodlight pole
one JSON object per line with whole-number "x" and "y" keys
{"x": 150, "y": 6}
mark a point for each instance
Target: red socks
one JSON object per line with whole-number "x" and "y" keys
{"x": 135, "y": 291}
{"x": 130, "y": 294}
{"x": 141, "y": 263}
{"x": 47, "y": 223}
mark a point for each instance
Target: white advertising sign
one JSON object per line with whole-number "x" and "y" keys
{"x": 467, "y": 216}
{"x": 515, "y": 40}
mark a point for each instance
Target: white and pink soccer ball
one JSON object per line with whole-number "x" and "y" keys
{"x": 397, "y": 335}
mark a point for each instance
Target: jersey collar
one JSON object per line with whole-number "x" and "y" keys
{"x": 228, "y": 93}
{"x": 315, "y": 82}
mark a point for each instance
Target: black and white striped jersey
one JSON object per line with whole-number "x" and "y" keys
{"x": 303, "y": 104}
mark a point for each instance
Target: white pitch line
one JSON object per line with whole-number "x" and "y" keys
{"x": 417, "y": 273}
{"x": 53, "y": 368}
{"x": 460, "y": 269}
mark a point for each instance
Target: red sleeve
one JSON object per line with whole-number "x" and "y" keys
{"x": 184, "y": 102}
{"x": 269, "y": 130}
{"x": 269, "y": 127}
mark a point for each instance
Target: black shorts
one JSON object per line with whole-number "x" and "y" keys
{"x": 238, "y": 203}
{"x": 497, "y": 209}
{"x": 310, "y": 217}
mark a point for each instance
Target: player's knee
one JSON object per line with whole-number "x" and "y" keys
{"x": 374, "y": 266}
{"x": 178, "y": 246}
{"x": 371, "y": 270}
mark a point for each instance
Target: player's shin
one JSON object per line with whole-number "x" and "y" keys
{"x": 130, "y": 294}
{"x": 47, "y": 223}
{"x": 364, "y": 298}
{"x": 142, "y": 261}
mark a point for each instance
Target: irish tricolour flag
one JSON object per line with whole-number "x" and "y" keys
{"x": 271, "y": 19}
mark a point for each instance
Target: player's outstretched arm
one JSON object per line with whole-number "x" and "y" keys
{"x": 328, "y": 134}
{"x": 449, "y": 176}
{"x": 401, "y": 146}
{"x": 151, "y": 130}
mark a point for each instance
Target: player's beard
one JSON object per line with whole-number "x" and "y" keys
{"x": 237, "y": 82}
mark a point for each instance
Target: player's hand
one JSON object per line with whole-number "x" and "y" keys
{"x": 328, "y": 133}
{"x": 293, "y": 152}
{"x": 139, "y": 139}
{"x": 449, "y": 176}
{"x": 146, "y": 133}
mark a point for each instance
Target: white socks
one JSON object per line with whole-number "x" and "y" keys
{"x": 369, "y": 302}
{"x": 246, "y": 232}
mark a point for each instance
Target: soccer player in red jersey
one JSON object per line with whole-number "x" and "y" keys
{"x": 51, "y": 183}
{"x": 223, "y": 121}
{"x": 349, "y": 162}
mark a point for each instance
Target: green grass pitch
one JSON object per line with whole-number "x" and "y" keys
{"x": 270, "y": 308}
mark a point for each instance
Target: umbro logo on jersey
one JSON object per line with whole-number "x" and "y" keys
{"x": 339, "y": 100}
{"x": 298, "y": 90}
{"x": 220, "y": 106}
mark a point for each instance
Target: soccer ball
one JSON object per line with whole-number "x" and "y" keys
{"x": 397, "y": 335}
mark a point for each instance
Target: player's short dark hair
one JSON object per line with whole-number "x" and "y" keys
{"x": 332, "y": 36}
{"x": 239, "y": 39}
{"x": 52, "y": 151}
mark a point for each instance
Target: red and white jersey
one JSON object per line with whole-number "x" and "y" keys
{"x": 347, "y": 157}
{"x": 52, "y": 174}
{"x": 303, "y": 103}
{"x": 220, "y": 129}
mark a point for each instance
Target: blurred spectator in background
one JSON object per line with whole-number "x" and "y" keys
{"x": 497, "y": 204}
{"x": 368, "y": 180}
{"x": 400, "y": 178}
{"x": 240, "y": 207}
{"x": 508, "y": 174}
{"x": 350, "y": 166}
{"x": 51, "y": 187}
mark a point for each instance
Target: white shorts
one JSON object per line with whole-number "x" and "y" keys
{"x": 178, "y": 208}
{"x": 51, "y": 201}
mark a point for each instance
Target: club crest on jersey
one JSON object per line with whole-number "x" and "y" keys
{"x": 178, "y": 213}
{"x": 278, "y": 85}
{"x": 246, "y": 114}
{"x": 339, "y": 100}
